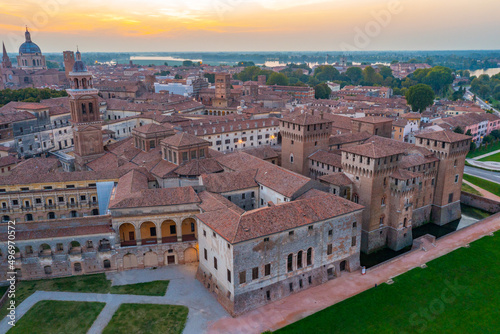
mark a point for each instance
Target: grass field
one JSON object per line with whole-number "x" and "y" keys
{"x": 147, "y": 318}
{"x": 87, "y": 283}
{"x": 456, "y": 293}
{"x": 50, "y": 317}
{"x": 492, "y": 187}
{"x": 470, "y": 190}
{"x": 483, "y": 150}
{"x": 494, "y": 157}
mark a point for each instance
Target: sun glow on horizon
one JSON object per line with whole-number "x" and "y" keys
{"x": 229, "y": 25}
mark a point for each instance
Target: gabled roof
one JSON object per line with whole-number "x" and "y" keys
{"x": 377, "y": 147}
{"x": 183, "y": 139}
{"x": 444, "y": 136}
{"x": 314, "y": 207}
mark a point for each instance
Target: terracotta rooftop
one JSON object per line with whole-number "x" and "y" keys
{"x": 236, "y": 228}
{"x": 338, "y": 179}
{"x": 329, "y": 158}
{"x": 305, "y": 118}
{"x": 230, "y": 181}
{"x": 444, "y": 136}
{"x": 372, "y": 119}
{"x": 181, "y": 139}
{"x": 158, "y": 197}
{"x": 377, "y": 147}
{"x": 347, "y": 138}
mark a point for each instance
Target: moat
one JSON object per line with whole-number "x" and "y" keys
{"x": 470, "y": 216}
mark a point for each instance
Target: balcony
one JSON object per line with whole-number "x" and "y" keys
{"x": 50, "y": 206}
{"x": 149, "y": 241}
{"x": 27, "y": 208}
{"x": 188, "y": 237}
{"x": 128, "y": 243}
{"x": 168, "y": 240}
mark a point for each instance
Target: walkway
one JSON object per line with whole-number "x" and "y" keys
{"x": 302, "y": 304}
{"x": 486, "y": 155}
{"x": 488, "y": 175}
{"x": 183, "y": 289}
{"x": 484, "y": 193}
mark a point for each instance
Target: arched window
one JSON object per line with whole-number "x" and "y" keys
{"x": 404, "y": 222}
{"x": 289, "y": 263}
{"x": 48, "y": 270}
{"x": 309, "y": 256}
{"x": 91, "y": 108}
{"x": 299, "y": 259}
{"x": 5, "y": 219}
{"x": 355, "y": 198}
{"x": 78, "y": 267}
{"x": 74, "y": 214}
{"x": 51, "y": 215}
{"x": 95, "y": 212}
{"x": 382, "y": 201}
{"x": 29, "y": 217}
{"x": 106, "y": 264}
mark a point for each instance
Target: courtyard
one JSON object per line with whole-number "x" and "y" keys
{"x": 124, "y": 292}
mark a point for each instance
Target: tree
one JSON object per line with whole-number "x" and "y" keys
{"x": 386, "y": 72}
{"x": 277, "y": 79}
{"x": 178, "y": 76}
{"x": 420, "y": 97}
{"x": 458, "y": 130}
{"x": 371, "y": 77}
{"x": 187, "y": 63}
{"x": 495, "y": 134}
{"x": 246, "y": 63}
{"x": 322, "y": 91}
{"x": 210, "y": 77}
{"x": 488, "y": 139}
{"x": 355, "y": 74}
{"x": 326, "y": 73}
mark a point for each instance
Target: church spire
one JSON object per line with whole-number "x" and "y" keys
{"x": 5, "y": 58}
{"x": 27, "y": 35}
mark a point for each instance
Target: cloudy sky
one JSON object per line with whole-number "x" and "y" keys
{"x": 251, "y": 25}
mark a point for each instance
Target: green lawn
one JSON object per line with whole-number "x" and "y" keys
{"x": 456, "y": 293}
{"x": 470, "y": 190}
{"x": 494, "y": 157}
{"x": 50, "y": 317}
{"x": 147, "y": 318}
{"x": 492, "y": 187}
{"x": 483, "y": 150}
{"x": 96, "y": 283}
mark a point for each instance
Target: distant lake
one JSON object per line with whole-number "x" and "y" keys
{"x": 490, "y": 72}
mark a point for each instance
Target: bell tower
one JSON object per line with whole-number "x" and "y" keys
{"x": 6, "y": 63}
{"x": 85, "y": 115}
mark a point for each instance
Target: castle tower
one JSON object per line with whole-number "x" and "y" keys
{"x": 85, "y": 115}
{"x": 30, "y": 56}
{"x": 451, "y": 149}
{"x": 6, "y": 63}
{"x": 302, "y": 135}
{"x": 69, "y": 61}
{"x": 222, "y": 90}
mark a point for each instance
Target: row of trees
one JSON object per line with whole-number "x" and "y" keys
{"x": 29, "y": 95}
{"x": 486, "y": 87}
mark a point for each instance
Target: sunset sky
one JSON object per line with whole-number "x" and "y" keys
{"x": 250, "y": 25}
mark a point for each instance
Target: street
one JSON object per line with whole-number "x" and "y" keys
{"x": 491, "y": 176}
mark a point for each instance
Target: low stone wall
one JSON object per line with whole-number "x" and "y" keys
{"x": 479, "y": 202}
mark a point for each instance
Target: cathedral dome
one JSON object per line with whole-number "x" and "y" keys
{"x": 29, "y": 47}
{"x": 79, "y": 66}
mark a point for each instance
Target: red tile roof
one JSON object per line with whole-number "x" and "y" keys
{"x": 235, "y": 228}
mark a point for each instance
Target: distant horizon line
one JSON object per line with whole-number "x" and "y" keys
{"x": 288, "y": 51}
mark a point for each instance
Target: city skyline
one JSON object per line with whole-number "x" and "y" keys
{"x": 251, "y": 25}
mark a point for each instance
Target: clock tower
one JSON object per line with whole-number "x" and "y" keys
{"x": 85, "y": 115}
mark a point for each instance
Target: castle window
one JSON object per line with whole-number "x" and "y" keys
{"x": 299, "y": 260}
{"x": 443, "y": 144}
{"x": 255, "y": 273}
{"x": 450, "y": 198}
{"x": 91, "y": 108}
{"x": 205, "y": 254}
{"x": 456, "y": 178}
{"x": 291, "y": 158}
{"x": 309, "y": 256}
{"x": 353, "y": 241}
{"x": 229, "y": 276}
{"x": 243, "y": 277}
{"x": 329, "y": 249}
{"x": 215, "y": 263}
{"x": 289, "y": 263}
{"x": 267, "y": 269}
